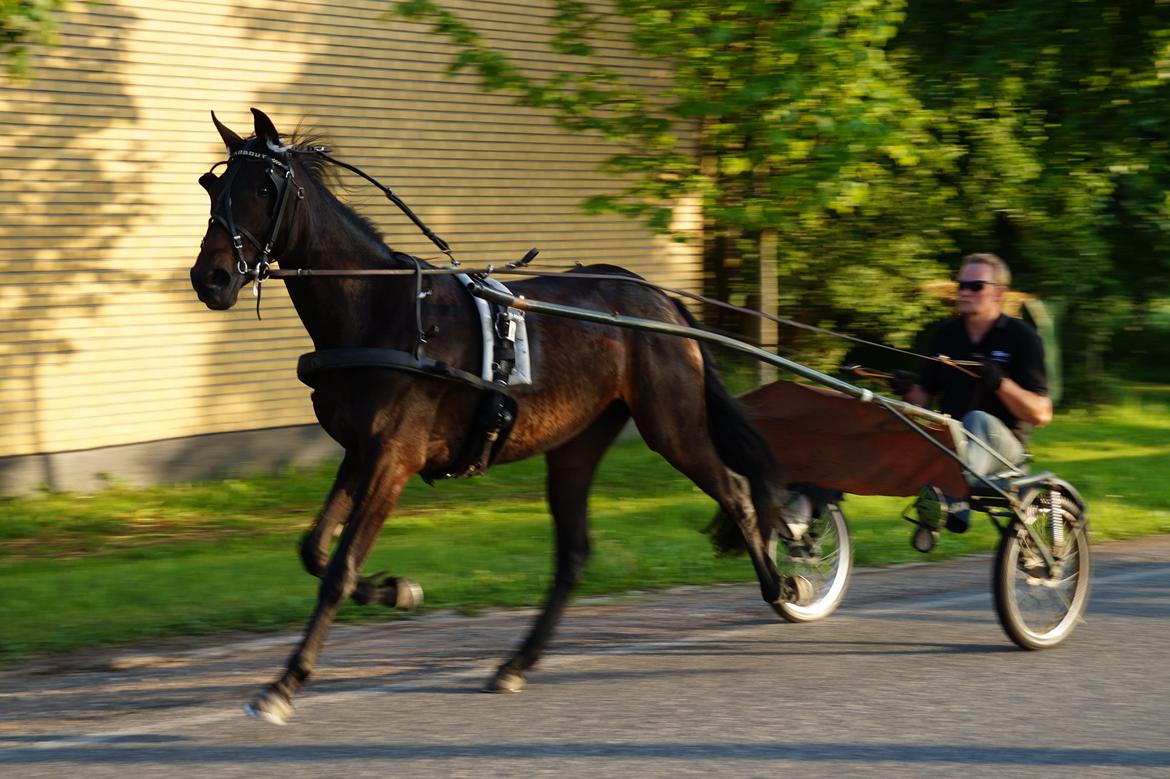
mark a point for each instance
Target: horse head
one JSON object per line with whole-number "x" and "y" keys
{"x": 252, "y": 204}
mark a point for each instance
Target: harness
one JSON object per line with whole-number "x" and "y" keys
{"x": 221, "y": 212}
{"x": 505, "y": 353}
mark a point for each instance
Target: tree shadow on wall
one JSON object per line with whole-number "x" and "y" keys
{"x": 64, "y": 211}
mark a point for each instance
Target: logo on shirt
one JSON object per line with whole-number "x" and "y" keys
{"x": 1001, "y": 356}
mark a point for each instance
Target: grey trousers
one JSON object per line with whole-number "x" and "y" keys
{"x": 992, "y": 431}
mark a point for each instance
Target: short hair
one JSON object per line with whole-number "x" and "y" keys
{"x": 1000, "y": 272}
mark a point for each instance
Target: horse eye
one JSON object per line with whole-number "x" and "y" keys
{"x": 265, "y": 190}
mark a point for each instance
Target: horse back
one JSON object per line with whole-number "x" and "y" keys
{"x": 580, "y": 369}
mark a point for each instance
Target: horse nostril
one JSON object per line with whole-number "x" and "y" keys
{"x": 218, "y": 278}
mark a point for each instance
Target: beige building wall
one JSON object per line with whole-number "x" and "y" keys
{"x": 102, "y": 342}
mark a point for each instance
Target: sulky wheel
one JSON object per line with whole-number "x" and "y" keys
{"x": 825, "y": 569}
{"x": 1039, "y": 604}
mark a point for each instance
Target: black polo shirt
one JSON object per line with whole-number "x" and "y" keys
{"x": 1010, "y": 342}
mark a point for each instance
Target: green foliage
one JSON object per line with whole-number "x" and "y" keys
{"x": 873, "y": 141}
{"x": 23, "y": 22}
{"x": 1061, "y": 112}
{"x": 787, "y": 119}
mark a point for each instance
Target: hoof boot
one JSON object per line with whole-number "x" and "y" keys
{"x": 505, "y": 682}
{"x": 409, "y": 596}
{"x": 270, "y": 707}
{"x": 393, "y": 591}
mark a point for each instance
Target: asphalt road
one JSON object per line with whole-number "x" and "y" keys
{"x": 912, "y": 677}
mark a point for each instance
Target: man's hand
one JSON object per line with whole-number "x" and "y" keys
{"x": 901, "y": 382}
{"x": 991, "y": 373}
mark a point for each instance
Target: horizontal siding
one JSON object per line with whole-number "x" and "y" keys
{"x": 102, "y": 342}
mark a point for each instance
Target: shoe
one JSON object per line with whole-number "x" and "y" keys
{"x": 958, "y": 516}
{"x": 934, "y": 510}
{"x": 929, "y": 507}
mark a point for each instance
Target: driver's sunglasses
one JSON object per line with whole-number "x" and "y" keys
{"x": 976, "y": 286}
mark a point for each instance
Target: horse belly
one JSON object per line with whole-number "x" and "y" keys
{"x": 555, "y": 412}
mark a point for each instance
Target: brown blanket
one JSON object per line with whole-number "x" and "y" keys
{"x": 830, "y": 439}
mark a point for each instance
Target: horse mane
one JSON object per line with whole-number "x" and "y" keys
{"x": 302, "y": 142}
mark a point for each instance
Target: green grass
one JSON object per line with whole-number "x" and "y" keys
{"x": 126, "y": 565}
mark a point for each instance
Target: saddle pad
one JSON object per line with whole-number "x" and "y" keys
{"x": 517, "y": 333}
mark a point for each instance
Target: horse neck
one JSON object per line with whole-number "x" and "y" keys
{"x": 340, "y": 312}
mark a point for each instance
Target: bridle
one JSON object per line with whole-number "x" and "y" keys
{"x": 280, "y": 175}
{"x": 285, "y": 185}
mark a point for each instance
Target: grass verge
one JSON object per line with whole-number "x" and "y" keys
{"x": 125, "y": 565}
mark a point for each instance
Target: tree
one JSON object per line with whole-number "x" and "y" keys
{"x": 874, "y": 141}
{"x": 23, "y": 22}
{"x": 1061, "y": 110}
{"x": 790, "y": 123}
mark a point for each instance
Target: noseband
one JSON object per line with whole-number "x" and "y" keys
{"x": 280, "y": 174}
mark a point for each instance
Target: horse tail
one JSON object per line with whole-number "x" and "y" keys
{"x": 741, "y": 447}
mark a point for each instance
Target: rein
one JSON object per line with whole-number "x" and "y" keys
{"x": 262, "y": 270}
{"x": 518, "y": 269}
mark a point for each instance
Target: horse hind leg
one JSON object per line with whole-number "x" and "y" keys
{"x": 752, "y": 504}
{"x": 571, "y": 468}
{"x": 733, "y": 493}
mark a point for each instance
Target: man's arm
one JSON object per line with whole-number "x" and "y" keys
{"x": 1031, "y": 407}
{"x": 1024, "y": 392}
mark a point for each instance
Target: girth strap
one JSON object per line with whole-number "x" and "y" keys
{"x": 310, "y": 365}
{"x": 490, "y": 426}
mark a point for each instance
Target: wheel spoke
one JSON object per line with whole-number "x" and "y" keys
{"x": 1038, "y": 604}
{"x": 826, "y": 567}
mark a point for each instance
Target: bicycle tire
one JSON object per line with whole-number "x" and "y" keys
{"x": 827, "y": 569}
{"x": 1037, "y": 607}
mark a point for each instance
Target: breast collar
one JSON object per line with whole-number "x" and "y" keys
{"x": 505, "y": 363}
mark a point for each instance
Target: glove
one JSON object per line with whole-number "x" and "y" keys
{"x": 990, "y": 373}
{"x": 901, "y": 382}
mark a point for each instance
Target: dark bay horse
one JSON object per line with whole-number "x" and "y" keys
{"x": 587, "y": 381}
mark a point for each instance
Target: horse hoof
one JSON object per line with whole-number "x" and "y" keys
{"x": 409, "y": 596}
{"x": 270, "y": 707}
{"x": 506, "y": 682}
{"x": 796, "y": 590}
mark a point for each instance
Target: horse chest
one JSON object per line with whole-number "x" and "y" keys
{"x": 360, "y": 407}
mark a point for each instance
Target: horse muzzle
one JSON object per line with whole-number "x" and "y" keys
{"x": 217, "y": 287}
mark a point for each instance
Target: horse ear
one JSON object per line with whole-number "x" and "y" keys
{"x": 265, "y": 129}
{"x": 230, "y": 139}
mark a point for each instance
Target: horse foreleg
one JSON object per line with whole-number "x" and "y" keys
{"x": 570, "y": 473}
{"x": 338, "y": 505}
{"x": 394, "y": 591}
{"x": 382, "y": 488}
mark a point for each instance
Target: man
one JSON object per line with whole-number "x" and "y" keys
{"x": 1008, "y": 397}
